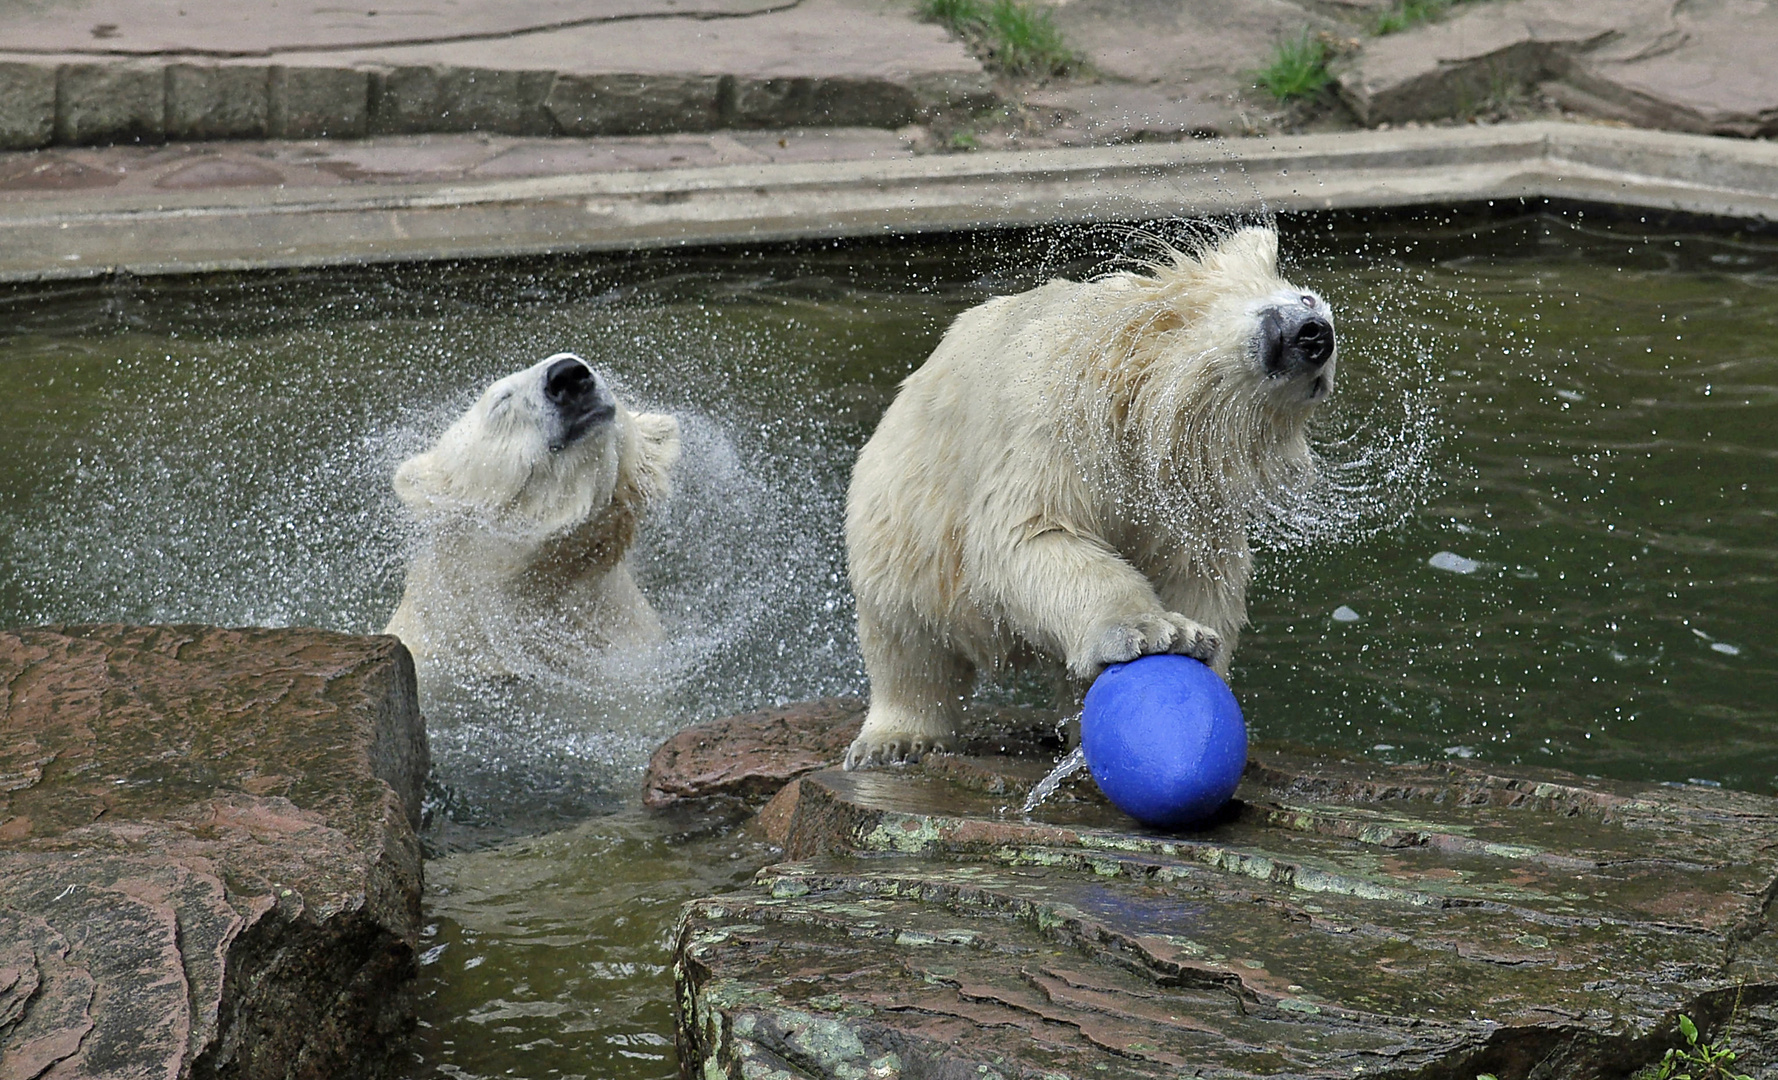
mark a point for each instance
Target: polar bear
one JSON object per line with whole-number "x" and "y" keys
{"x": 1073, "y": 473}
{"x": 527, "y": 506}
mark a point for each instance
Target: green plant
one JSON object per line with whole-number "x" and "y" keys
{"x": 1404, "y": 14}
{"x": 1695, "y": 1060}
{"x": 1013, "y": 36}
{"x": 1298, "y": 67}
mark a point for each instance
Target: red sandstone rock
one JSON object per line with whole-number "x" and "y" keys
{"x": 208, "y": 859}
{"x": 1342, "y": 918}
{"x": 751, "y": 756}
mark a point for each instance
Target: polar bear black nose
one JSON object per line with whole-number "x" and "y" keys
{"x": 569, "y": 382}
{"x": 1315, "y": 340}
{"x": 1293, "y": 340}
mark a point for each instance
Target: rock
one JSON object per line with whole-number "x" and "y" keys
{"x": 208, "y": 101}
{"x": 751, "y": 756}
{"x": 1655, "y": 63}
{"x": 1341, "y": 918}
{"x": 1708, "y": 71}
{"x": 208, "y": 857}
{"x": 1111, "y": 112}
{"x": 427, "y": 98}
{"x": 1169, "y": 70}
{"x": 27, "y": 106}
{"x": 111, "y": 102}
{"x": 232, "y": 28}
{"x": 319, "y": 103}
{"x": 619, "y": 104}
{"x": 555, "y": 67}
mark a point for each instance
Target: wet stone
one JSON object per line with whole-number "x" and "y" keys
{"x": 1340, "y": 918}
{"x": 27, "y": 105}
{"x": 217, "y": 102}
{"x": 208, "y": 861}
{"x": 99, "y": 103}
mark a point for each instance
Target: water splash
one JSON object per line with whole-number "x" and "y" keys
{"x": 1073, "y": 762}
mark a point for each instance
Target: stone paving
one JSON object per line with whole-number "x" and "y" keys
{"x": 1680, "y": 65}
{"x": 60, "y": 172}
{"x": 102, "y": 72}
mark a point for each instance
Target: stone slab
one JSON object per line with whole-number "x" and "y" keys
{"x": 222, "y": 28}
{"x": 1109, "y": 112}
{"x": 186, "y": 208}
{"x": 1209, "y": 46}
{"x": 27, "y": 104}
{"x": 617, "y": 67}
{"x": 208, "y": 852}
{"x": 1711, "y": 72}
{"x": 1668, "y": 64}
{"x": 752, "y": 756}
{"x": 1341, "y": 918}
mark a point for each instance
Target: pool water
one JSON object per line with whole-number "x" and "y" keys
{"x": 1549, "y": 533}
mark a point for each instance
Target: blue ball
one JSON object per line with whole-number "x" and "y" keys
{"x": 1164, "y": 739}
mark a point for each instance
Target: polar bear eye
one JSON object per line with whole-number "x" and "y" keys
{"x": 1308, "y": 301}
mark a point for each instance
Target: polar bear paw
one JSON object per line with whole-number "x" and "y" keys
{"x": 893, "y": 748}
{"x": 1118, "y": 640}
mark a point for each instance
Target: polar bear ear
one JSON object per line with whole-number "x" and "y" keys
{"x": 657, "y": 451}
{"x": 1250, "y": 254}
{"x": 418, "y": 482}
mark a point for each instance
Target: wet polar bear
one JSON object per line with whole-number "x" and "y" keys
{"x": 527, "y": 506}
{"x": 1073, "y": 473}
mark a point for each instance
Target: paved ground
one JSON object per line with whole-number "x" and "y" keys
{"x": 120, "y": 71}
{"x": 164, "y": 95}
{"x": 54, "y": 174}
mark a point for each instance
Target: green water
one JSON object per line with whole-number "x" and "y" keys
{"x": 1587, "y": 413}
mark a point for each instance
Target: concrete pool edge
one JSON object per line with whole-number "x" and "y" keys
{"x": 246, "y": 228}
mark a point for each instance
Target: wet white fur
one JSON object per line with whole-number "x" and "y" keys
{"x": 1072, "y": 472}
{"x": 522, "y": 547}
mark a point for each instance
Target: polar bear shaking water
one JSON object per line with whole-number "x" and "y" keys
{"x": 1073, "y": 473}
{"x": 527, "y": 506}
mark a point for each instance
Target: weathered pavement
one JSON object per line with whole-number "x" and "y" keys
{"x": 109, "y": 71}
{"x": 208, "y": 859}
{"x": 1677, "y": 65}
{"x": 1343, "y": 919}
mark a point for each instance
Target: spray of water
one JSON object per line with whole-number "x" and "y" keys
{"x": 1071, "y": 763}
{"x": 224, "y": 455}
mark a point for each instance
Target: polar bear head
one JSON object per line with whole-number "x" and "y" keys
{"x": 1210, "y": 368}
{"x": 544, "y": 450}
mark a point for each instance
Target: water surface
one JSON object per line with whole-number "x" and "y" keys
{"x": 1550, "y": 537}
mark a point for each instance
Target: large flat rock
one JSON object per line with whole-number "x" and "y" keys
{"x": 1342, "y": 918}
{"x": 221, "y": 28}
{"x": 1163, "y": 69}
{"x": 123, "y": 71}
{"x": 1680, "y": 65}
{"x": 208, "y": 852}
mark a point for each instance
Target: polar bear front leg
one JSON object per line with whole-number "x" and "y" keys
{"x": 917, "y": 687}
{"x": 1122, "y": 638}
{"x": 1080, "y": 598}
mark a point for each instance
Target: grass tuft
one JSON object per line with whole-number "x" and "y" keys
{"x": 1406, "y": 14}
{"x": 1012, "y": 36}
{"x": 1298, "y": 68}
